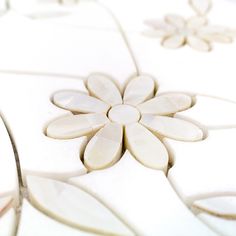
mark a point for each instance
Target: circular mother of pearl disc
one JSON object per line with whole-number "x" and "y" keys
{"x": 124, "y": 114}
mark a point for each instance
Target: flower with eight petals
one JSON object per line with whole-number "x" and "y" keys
{"x": 107, "y": 116}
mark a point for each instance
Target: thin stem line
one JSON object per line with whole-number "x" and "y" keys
{"x": 7, "y": 5}
{"x": 123, "y": 35}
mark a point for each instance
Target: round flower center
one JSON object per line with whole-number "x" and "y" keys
{"x": 124, "y": 114}
{"x": 186, "y": 31}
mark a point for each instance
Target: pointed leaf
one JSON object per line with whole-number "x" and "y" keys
{"x": 73, "y": 206}
{"x": 224, "y": 206}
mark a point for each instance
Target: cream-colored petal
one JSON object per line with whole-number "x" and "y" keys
{"x": 147, "y": 148}
{"x": 215, "y": 34}
{"x": 172, "y": 127}
{"x": 175, "y": 20}
{"x": 104, "y": 88}
{"x": 166, "y": 104}
{"x": 201, "y": 7}
{"x": 198, "y": 43}
{"x": 160, "y": 27}
{"x": 104, "y": 149}
{"x": 173, "y": 41}
{"x": 224, "y": 206}
{"x": 79, "y": 102}
{"x": 73, "y": 126}
{"x": 5, "y": 202}
{"x": 216, "y": 29}
{"x": 73, "y": 206}
{"x": 139, "y": 90}
{"x": 196, "y": 22}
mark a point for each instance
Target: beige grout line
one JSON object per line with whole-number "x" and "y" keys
{"x": 19, "y": 173}
{"x": 123, "y": 35}
{"x": 37, "y": 73}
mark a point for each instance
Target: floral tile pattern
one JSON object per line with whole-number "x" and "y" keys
{"x": 103, "y": 155}
{"x": 196, "y": 31}
{"x": 108, "y": 112}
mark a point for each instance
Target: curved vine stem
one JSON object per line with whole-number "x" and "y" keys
{"x": 7, "y": 5}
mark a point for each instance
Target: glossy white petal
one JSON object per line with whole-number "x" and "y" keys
{"x": 104, "y": 88}
{"x": 104, "y": 149}
{"x": 172, "y": 127}
{"x": 139, "y": 90}
{"x": 174, "y": 41}
{"x": 222, "y": 206}
{"x": 79, "y": 102}
{"x": 166, "y": 104}
{"x": 196, "y": 22}
{"x": 201, "y": 7}
{"x": 175, "y": 20}
{"x": 216, "y": 29}
{"x": 73, "y": 126}
{"x": 215, "y": 34}
{"x": 198, "y": 43}
{"x": 73, "y": 206}
{"x": 147, "y": 148}
{"x": 160, "y": 27}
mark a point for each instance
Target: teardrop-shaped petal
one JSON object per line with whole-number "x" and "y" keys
{"x": 104, "y": 88}
{"x": 73, "y": 206}
{"x": 172, "y": 127}
{"x": 74, "y": 126}
{"x": 160, "y": 27}
{"x": 224, "y": 206}
{"x": 175, "y": 20}
{"x": 139, "y": 90}
{"x": 196, "y": 22}
{"x": 147, "y": 148}
{"x": 79, "y": 102}
{"x": 166, "y": 104}
{"x": 201, "y": 7}
{"x": 104, "y": 149}
{"x": 198, "y": 43}
{"x": 219, "y": 38}
{"x": 174, "y": 41}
